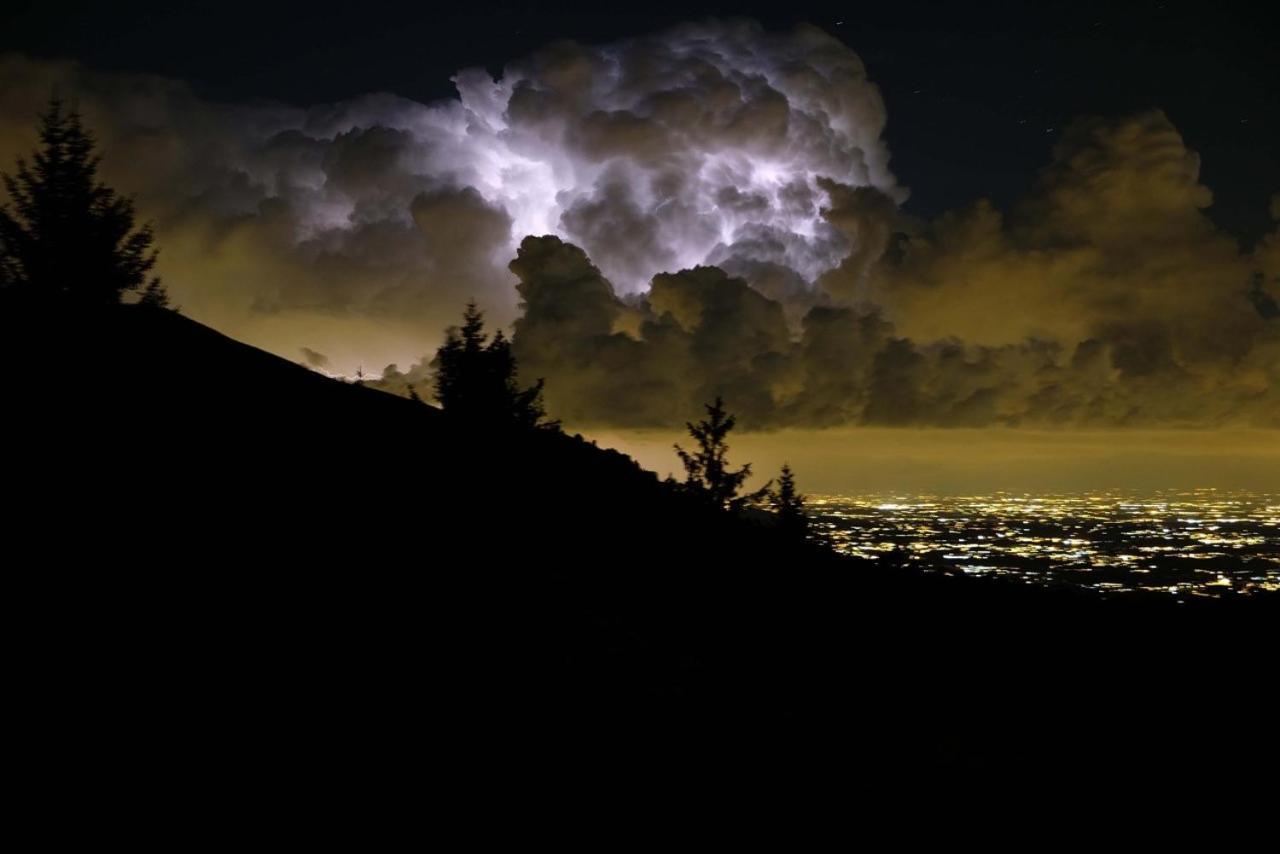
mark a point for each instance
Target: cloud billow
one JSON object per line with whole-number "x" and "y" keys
{"x": 706, "y": 210}
{"x": 1106, "y": 299}
{"x": 703, "y": 143}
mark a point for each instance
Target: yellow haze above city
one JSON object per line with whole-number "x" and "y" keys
{"x": 968, "y": 462}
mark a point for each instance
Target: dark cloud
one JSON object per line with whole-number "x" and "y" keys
{"x": 867, "y": 218}
{"x": 600, "y": 220}
{"x": 359, "y": 227}
{"x": 419, "y": 379}
{"x": 1106, "y": 299}
{"x": 314, "y": 359}
{"x": 717, "y": 216}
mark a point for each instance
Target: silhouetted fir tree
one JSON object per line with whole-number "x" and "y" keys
{"x": 155, "y": 296}
{"x": 476, "y": 378}
{"x": 788, "y": 504}
{"x": 65, "y": 236}
{"x": 707, "y": 470}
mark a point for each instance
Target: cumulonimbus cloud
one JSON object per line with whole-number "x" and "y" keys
{"x": 1107, "y": 298}
{"x": 712, "y": 212}
{"x": 704, "y": 143}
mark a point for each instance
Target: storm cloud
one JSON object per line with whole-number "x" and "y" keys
{"x": 1107, "y": 298}
{"x": 706, "y": 210}
{"x": 359, "y": 227}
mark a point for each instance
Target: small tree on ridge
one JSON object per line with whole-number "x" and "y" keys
{"x": 707, "y": 470}
{"x": 476, "y": 378}
{"x": 788, "y": 504}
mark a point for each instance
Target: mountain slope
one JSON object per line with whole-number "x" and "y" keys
{"x": 276, "y": 557}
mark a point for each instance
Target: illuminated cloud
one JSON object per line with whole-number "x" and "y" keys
{"x": 1106, "y": 299}
{"x": 1112, "y": 261}
{"x": 704, "y": 143}
{"x": 707, "y": 210}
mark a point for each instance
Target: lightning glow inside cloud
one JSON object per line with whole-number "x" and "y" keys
{"x": 671, "y": 151}
{"x": 701, "y": 144}
{"x": 353, "y": 232}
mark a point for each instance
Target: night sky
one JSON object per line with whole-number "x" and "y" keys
{"x": 976, "y": 92}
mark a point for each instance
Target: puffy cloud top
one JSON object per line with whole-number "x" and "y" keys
{"x": 707, "y": 210}
{"x": 1107, "y": 298}
{"x": 706, "y": 143}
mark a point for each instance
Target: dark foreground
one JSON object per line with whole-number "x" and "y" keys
{"x": 228, "y": 573}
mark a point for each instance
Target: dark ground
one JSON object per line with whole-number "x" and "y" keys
{"x": 227, "y": 572}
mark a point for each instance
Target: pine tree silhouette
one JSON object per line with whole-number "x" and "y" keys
{"x": 707, "y": 470}
{"x": 65, "y": 236}
{"x": 788, "y": 504}
{"x": 476, "y": 378}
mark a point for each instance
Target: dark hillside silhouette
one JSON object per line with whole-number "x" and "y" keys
{"x": 280, "y": 583}
{"x": 349, "y": 561}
